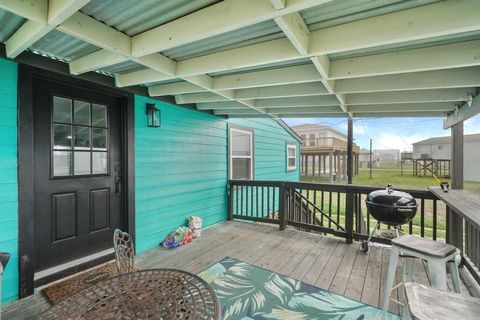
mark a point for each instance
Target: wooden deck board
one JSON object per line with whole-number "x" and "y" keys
{"x": 324, "y": 261}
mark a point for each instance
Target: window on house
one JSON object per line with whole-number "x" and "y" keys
{"x": 241, "y": 154}
{"x": 291, "y": 157}
{"x": 311, "y": 139}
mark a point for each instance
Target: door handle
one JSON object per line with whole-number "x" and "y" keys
{"x": 118, "y": 186}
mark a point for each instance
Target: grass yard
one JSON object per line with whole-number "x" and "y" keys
{"x": 382, "y": 177}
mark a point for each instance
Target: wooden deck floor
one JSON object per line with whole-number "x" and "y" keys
{"x": 322, "y": 261}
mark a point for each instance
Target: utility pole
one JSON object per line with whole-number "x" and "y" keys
{"x": 370, "y": 162}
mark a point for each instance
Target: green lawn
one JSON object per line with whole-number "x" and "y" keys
{"x": 391, "y": 175}
{"x": 382, "y": 177}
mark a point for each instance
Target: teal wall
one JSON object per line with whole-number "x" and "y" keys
{"x": 181, "y": 168}
{"x": 8, "y": 176}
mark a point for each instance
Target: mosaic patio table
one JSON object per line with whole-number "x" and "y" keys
{"x": 146, "y": 294}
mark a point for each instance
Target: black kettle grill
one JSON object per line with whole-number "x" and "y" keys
{"x": 390, "y": 207}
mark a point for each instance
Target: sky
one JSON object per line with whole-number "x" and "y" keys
{"x": 390, "y": 133}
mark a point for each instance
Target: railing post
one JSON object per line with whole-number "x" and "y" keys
{"x": 349, "y": 215}
{"x": 230, "y": 202}
{"x": 282, "y": 214}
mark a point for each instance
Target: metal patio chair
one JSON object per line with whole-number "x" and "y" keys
{"x": 124, "y": 252}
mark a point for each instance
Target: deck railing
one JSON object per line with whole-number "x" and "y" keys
{"x": 339, "y": 210}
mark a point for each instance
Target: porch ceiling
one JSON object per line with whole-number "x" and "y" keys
{"x": 266, "y": 58}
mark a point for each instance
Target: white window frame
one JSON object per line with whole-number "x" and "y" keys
{"x": 231, "y": 156}
{"x": 291, "y": 146}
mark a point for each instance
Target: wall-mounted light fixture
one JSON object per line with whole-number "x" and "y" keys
{"x": 153, "y": 116}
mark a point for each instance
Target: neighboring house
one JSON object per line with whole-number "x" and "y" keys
{"x": 324, "y": 151}
{"x": 439, "y": 148}
{"x": 387, "y": 156}
{"x": 80, "y": 161}
{"x": 364, "y": 159}
{"x": 317, "y": 134}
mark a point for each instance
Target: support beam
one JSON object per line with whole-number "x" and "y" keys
{"x": 438, "y": 79}
{"x": 31, "y": 31}
{"x": 305, "y": 80}
{"x": 232, "y": 105}
{"x": 313, "y": 101}
{"x": 350, "y": 151}
{"x": 455, "y": 222}
{"x": 140, "y": 76}
{"x": 456, "y": 55}
{"x": 278, "y": 4}
{"x": 282, "y": 91}
{"x": 404, "y": 114}
{"x": 465, "y": 112}
{"x": 95, "y": 61}
{"x": 304, "y": 110}
{"x": 279, "y": 76}
{"x": 403, "y": 107}
{"x": 199, "y": 98}
{"x": 457, "y": 155}
{"x": 34, "y": 10}
{"x": 414, "y": 96}
{"x": 175, "y": 88}
{"x": 94, "y": 32}
{"x": 296, "y": 31}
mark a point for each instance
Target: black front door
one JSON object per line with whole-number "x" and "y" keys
{"x": 77, "y": 172}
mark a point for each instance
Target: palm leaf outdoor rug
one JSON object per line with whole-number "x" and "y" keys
{"x": 249, "y": 292}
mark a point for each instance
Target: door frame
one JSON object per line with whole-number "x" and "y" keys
{"x": 26, "y": 77}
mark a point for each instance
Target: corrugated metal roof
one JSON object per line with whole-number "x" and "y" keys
{"x": 123, "y": 67}
{"x": 9, "y": 23}
{"x": 423, "y": 43}
{"x": 253, "y": 34}
{"x": 133, "y": 17}
{"x": 338, "y": 12}
{"x": 61, "y": 46}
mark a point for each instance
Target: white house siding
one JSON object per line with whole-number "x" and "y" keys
{"x": 471, "y": 155}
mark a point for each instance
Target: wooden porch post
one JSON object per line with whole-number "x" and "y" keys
{"x": 455, "y": 222}
{"x": 350, "y": 151}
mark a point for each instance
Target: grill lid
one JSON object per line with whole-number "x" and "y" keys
{"x": 390, "y": 197}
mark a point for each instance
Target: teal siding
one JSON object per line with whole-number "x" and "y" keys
{"x": 8, "y": 176}
{"x": 181, "y": 168}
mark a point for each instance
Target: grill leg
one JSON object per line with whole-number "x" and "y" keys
{"x": 373, "y": 231}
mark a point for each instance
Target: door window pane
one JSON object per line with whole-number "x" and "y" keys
{"x": 62, "y": 110}
{"x": 99, "y": 115}
{"x": 81, "y": 112}
{"x": 83, "y": 127}
{"x": 62, "y": 136}
{"x": 99, "y": 139}
{"x": 81, "y": 163}
{"x": 82, "y": 138}
{"x": 99, "y": 162}
{"x": 62, "y": 163}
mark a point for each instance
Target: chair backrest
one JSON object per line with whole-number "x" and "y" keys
{"x": 123, "y": 245}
